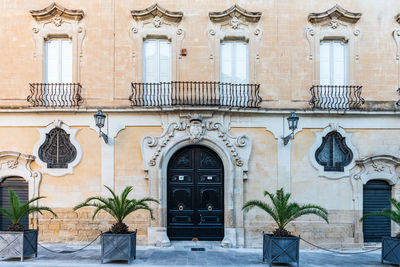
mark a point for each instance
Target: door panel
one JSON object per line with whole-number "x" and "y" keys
{"x": 376, "y": 196}
{"x": 20, "y": 187}
{"x": 195, "y": 195}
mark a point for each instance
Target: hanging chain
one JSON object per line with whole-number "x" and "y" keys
{"x": 339, "y": 252}
{"x": 70, "y": 251}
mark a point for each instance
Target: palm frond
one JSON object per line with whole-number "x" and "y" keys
{"x": 119, "y": 207}
{"x": 284, "y": 212}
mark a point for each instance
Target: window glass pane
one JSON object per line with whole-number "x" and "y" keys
{"x": 226, "y": 62}
{"x": 241, "y": 63}
{"x": 66, "y": 57}
{"x": 52, "y": 62}
{"x": 339, "y": 67}
{"x": 324, "y": 63}
{"x": 165, "y": 61}
{"x": 150, "y": 68}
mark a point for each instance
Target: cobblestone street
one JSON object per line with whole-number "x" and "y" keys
{"x": 183, "y": 256}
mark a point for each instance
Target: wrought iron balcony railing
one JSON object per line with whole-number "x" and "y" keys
{"x": 336, "y": 97}
{"x": 196, "y": 94}
{"x": 55, "y": 95}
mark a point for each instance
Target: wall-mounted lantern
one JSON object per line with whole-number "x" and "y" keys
{"x": 99, "y": 119}
{"x": 293, "y": 120}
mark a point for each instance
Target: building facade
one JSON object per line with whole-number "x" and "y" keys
{"x": 196, "y": 96}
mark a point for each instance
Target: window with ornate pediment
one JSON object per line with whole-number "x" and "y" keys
{"x": 58, "y": 36}
{"x": 333, "y": 34}
{"x": 234, "y": 38}
{"x": 333, "y": 154}
{"x": 158, "y": 34}
{"x": 57, "y": 151}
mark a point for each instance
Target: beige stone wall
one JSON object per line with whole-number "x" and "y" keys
{"x": 284, "y": 71}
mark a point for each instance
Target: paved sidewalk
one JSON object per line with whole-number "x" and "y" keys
{"x": 182, "y": 256}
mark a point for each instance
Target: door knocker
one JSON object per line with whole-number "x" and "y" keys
{"x": 180, "y": 207}
{"x": 209, "y": 208}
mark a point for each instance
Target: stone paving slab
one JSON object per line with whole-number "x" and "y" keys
{"x": 182, "y": 256}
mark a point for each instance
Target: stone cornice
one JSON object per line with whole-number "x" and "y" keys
{"x": 157, "y": 10}
{"x": 54, "y": 10}
{"x": 235, "y": 11}
{"x": 337, "y": 12}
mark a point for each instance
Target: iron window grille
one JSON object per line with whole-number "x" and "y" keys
{"x": 333, "y": 153}
{"x": 57, "y": 150}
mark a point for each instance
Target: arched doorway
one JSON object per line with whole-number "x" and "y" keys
{"x": 376, "y": 195}
{"x": 195, "y": 195}
{"x": 20, "y": 187}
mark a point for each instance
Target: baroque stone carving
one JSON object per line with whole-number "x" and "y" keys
{"x": 54, "y": 10}
{"x": 237, "y": 12}
{"x": 157, "y": 11}
{"x": 195, "y": 128}
{"x": 336, "y": 12}
{"x": 18, "y": 164}
{"x": 383, "y": 167}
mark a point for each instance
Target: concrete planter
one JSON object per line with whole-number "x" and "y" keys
{"x": 391, "y": 250}
{"x": 18, "y": 244}
{"x": 281, "y": 249}
{"x": 118, "y": 246}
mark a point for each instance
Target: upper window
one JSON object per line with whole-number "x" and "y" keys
{"x": 333, "y": 153}
{"x": 156, "y": 61}
{"x": 333, "y": 62}
{"x": 234, "y": 62}
{"x": 58, "y": 61}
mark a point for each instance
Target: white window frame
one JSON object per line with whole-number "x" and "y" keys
{"x": 150, "y": 93}
{"x": 240, "y": 97}
{"x": 332, "y": 60}
{"x": 60, "y": 63}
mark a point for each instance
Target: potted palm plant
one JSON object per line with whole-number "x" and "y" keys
{"x": 118, "y": 243}
{"x": 17, "y": 241}
{"x": 281, "y": 246}
{"x": 390, "y": 245}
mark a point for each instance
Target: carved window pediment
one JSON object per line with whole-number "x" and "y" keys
{"x": 155, "y": 11}
{"x": 55, "y": 10}
{"x": 336, "y": 12}
{"x": 235, "y": 13}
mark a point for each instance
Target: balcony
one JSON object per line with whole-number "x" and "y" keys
{"x": 195, "y": 94}
{"x": 336, "y": 97}
{"x": 55, "y": 95}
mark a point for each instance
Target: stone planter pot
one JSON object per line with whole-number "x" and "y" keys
{"x": 391, "y": 250}
{"x": 118, "y": 246}
{"x": 18, "y": 244}
{"x": 281, "y": 249}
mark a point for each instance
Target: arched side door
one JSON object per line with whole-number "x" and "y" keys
{"x": 195, "y": 193}
{"x": 376, "y": 195}
{"x": 20, "y": 187}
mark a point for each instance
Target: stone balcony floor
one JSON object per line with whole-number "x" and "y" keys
{"x": 180, "y": 254}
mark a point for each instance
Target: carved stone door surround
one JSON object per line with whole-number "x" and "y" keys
{"x": 209, "y": 131}
{"x": 378, "y": 167}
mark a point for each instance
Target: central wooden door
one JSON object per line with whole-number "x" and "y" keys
{"x": 195, "y": 192}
